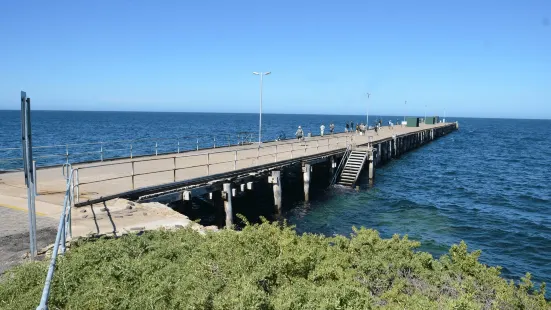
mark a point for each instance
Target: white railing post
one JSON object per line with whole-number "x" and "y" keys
{"x": 67, "y": 152}
{"x": 101, "y": 151}
{"x": 178, "y": 146}
{"x": 235, "y": 161}
{"x": 130, "y": 150}
{"x": 156, "y": 148}
{"x": 214, "y": 142}
{"x": 197, "y": 145}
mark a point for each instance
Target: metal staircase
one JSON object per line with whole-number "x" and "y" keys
{"x": 341, "y": 165}
{"x": 353, "y": 167}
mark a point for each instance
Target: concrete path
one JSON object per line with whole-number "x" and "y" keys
{"x": 14, "y": 234}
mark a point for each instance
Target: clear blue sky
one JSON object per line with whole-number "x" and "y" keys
{"x": 472, "y": 58}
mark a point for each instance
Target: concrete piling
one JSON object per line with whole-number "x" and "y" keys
{"x": 226, "y": 196}
{"x": 276, "y": 181}
{"x": 306, "y": 169}
{"x": 379, "y": 153}
{"x": 371, "y": 168}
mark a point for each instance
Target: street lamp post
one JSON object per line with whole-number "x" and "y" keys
{"x": 260, "y": 118}
{"x": 405, "y": 111}
{"x": 367, "y": 109}
{"x": 425, "y": 119}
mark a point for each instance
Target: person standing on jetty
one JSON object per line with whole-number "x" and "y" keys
{"x": 346, "y": 128}
{"x": 299, "y": 134}
{"x": 331, "y": 128}
{"x": 351, "y": 125}
{"x": 322, "y": 129}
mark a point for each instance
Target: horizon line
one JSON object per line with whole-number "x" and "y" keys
{"x": 271, "y": 113}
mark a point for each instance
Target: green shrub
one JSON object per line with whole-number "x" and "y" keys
{"x": 265, "y": 266}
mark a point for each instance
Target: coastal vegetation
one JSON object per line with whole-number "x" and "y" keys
{"x": 266, "y": 266}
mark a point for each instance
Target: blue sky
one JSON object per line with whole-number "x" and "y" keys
{"x": 471, "y": 58}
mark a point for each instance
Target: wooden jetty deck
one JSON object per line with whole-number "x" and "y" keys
{"x": 227, "y": 169}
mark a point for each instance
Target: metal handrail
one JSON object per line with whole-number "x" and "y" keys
{"x": 341, "y": 165}
{"x": 121, "y": 141}
{"x": 133, "y": 175}
{"x": 191, "y": 143}
{"x": 63, "y": 229}
{"x": 213, "y": 152}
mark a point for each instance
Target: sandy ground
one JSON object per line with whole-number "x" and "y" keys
{"x": 118, "y": 218}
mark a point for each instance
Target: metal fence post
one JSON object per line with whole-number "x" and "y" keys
{"x": 131, "y": 150}
{"x": 78, "y": 185}
{"x": 208, "y": 163}
{"x": 197, "y": 144}
{"x": 214, "y": 142}
{"x": 34, "y": 178}
{"x": 67, "y": 152}
{"x": 63, "y": 237}
{"x": 26, "y": 147}
{"x": 71, "y": 204}
{"x": 235, "y": 161}
{"x": 132, "y": 174}
{"x": 156, "y": 153}
{"x": 178, "y": 146}
{"x": 101, "y": 151}
{"x": 174, "y": 169}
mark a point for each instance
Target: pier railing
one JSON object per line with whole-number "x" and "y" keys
{"x": 63, "y": 229}
{"x": 58, "y": 154}
{"x": 232, "y": 159}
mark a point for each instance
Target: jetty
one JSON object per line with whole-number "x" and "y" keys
{"x": 218, "y": 174}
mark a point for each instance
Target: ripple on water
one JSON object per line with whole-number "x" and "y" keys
{"x": 466, "y": 186}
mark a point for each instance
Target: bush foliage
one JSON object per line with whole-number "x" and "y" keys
{"x": 265, "y": 266}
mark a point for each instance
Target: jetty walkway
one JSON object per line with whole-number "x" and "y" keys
{"x": 215, "y": 173}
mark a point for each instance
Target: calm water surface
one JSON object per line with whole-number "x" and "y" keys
{"x": 487, "y": 184}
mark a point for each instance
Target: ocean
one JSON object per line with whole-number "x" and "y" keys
{"x": 487, "y": 183}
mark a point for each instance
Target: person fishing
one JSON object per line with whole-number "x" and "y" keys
{"x": 299, "y": 134}
{"x": 322, "y": 129}
{"x": 347, "y": 127}
{"x": 331, "y": 128}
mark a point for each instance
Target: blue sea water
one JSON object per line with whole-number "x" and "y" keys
{"x": 487, "y": 184}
